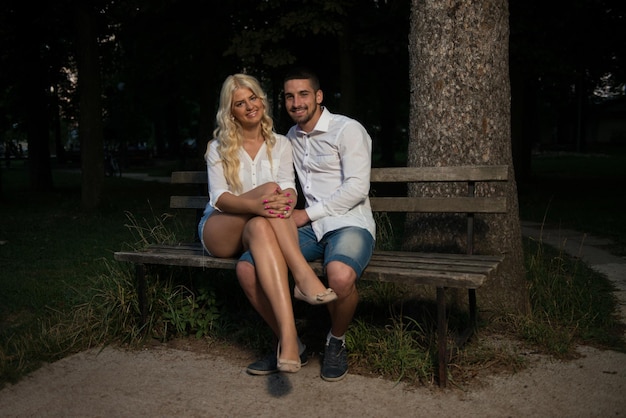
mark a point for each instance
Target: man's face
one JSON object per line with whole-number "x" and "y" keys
{"x": 302, "y": 103}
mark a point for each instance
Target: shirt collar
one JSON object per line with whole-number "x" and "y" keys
{"x": 322, "y": 124}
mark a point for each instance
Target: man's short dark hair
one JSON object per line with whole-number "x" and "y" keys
{"x": 303, "y": 73}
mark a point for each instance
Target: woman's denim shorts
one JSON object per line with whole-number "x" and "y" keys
{"x": 207, "y": 212}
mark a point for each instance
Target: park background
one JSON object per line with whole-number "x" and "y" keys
{"x": 154, "y": 90}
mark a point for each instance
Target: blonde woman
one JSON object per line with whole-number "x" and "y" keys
{"x": 252, "y": 194}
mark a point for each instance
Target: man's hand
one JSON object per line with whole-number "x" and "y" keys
{"x": 300, "y": 217}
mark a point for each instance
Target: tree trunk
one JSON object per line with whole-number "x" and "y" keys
{"x": 32, "y": 84}
{"x": 90, "y": 118}
{"x": 460, "y": 115}
{"x": 37, "y": 128}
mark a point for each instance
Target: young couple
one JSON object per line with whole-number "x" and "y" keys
{"x": 251, "y": 211}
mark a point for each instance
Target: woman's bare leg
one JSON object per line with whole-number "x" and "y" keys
{"x": 286, "y": 233}
{"x": 226, "y": 235}
{"x": 304, "y": 276}
{"x": 222, "y": 233}
{"x": 246, "y": 274}
{"x": 271, "y": 269}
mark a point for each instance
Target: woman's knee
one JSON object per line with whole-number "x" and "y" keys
{"x": 258, "y": 227}
{"x": 263, "y": 190}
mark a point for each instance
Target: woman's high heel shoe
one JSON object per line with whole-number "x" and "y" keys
{"x": 327, "y": 296}
{"x": 287, "y": 366}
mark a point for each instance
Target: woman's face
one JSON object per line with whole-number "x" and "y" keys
{"x": 247, "y": 107}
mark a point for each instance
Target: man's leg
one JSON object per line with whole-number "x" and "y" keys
{"x": 342, "y": 310}
{"x": 347, "y": 253}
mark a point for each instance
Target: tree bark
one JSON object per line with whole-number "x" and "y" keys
{"x": 90, "y": 118}
{"x": 460, "y": 115}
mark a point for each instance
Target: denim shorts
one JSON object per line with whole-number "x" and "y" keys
{"x": 207, "y": 212}
{"x": 350, "y": 245}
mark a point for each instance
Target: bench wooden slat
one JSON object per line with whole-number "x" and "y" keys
{"x": 450, "y": 270}
{"x": 189, "y": 177}
{"x": 436, "y": 278}
{"x": 395, "y": 174}
{"x": 480, "y": 268}
{"x": 438, "y": 174}
{"x": 443, "y": 257}
{"x": 175, "y": 256}
{"x": 188, "y": 202}
{"x": 439, "y": 204}
{"x": 393, "y": 204}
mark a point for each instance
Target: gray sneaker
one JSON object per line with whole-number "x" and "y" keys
{"x": 335, "y": 365}
{"x": 268, "y": 365}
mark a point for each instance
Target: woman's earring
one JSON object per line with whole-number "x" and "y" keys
{"x": 232, "y": 117}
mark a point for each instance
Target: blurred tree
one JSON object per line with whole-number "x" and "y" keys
{"x": 358, "y": 48}
{"x": 90, "y": 102}
{"x": 561, "y": 51}
{"x": 29, "y": 38}
{"x": 162, "y": 63}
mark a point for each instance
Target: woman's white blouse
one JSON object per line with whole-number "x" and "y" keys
{"x": 252, "y": 172}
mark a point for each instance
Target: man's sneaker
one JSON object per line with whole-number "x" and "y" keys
{"x": 335, "y": 365}
{"x": 269, "y": 365}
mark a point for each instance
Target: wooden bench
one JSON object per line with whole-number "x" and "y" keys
{"x": 461, "y": 271}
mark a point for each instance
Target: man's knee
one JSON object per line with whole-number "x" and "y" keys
{"x": 246, "y": 274}
{"x": 341, "y": 277}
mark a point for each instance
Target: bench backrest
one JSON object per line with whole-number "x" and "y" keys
{"x": 468, "y": 204}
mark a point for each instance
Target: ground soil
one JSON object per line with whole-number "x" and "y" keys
{"x": 212, "y": 382}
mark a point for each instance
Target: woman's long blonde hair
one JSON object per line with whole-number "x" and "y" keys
{"x": 228, "y": 133}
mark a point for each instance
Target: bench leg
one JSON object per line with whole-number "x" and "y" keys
{"x": 471, "y": 293}
{"x": 142, "y": 297}
{"x": 468, "y": 332}
{"x": 442, "y": 335}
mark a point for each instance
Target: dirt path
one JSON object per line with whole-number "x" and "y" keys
{"x": 164, "y": 382}
{"x": 170, "y": 382}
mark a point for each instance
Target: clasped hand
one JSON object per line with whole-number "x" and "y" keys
{"x": 278, "y": 204}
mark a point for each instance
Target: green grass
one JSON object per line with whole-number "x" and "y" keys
{"x": 51, "y": 253}
{"x": 62, "y": 291}
{"x": 571, "y": 303}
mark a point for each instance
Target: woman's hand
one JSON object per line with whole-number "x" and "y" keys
{"x": 279, "y": 204}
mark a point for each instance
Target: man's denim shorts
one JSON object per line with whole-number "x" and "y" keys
{"x": 350, "y": 245}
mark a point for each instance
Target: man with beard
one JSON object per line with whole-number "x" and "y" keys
{"x": 332, "y": 157}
